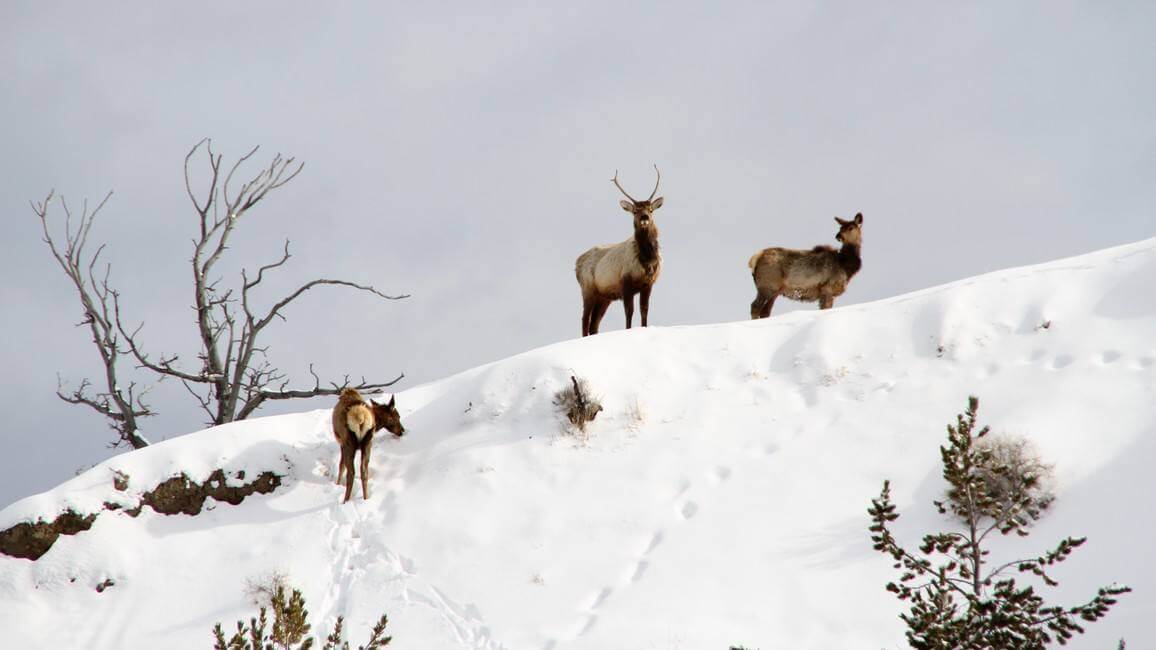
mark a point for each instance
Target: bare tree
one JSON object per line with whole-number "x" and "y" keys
{"x": 122, "y": 407}
{"x": 235, "y": 377}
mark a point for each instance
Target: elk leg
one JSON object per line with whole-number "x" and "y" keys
{"x": 766, "y": 312}
{"x": 341, "y": 463}
{"x": 365, "y": 467}
{"x": 761, "y": 305}
{"x": 349, "y": 472}
{"x": 644, "y": 302}
{"x": 587, "y": 309}
{"x": 826, "y": 302}
{"x": 596, "y": 316}
{"x": 628, "y": 305}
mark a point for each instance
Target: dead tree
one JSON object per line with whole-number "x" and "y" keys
{"x": 122, "y": 406}
{"x": 235, "y": 377}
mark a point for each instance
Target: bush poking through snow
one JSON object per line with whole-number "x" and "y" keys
{"x": 577, "y": 403}
{"x": 1016, "y": 481}
{"x": 958, "y": 599}
{"x": 290, "y": 628}
{"x": 262, "y": 589}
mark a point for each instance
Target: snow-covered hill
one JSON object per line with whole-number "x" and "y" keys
{"x": 720, "y": 499}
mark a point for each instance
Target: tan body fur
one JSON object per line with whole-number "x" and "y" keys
{"x": 817, "y": 275}
{"x": 603, "y": 271}
{"x": 620, "y": 271}
{"x": 354, "y": 423}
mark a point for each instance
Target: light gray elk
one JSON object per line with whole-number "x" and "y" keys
{"x": 619, "y": 271}
{"x": 817, "y": 275}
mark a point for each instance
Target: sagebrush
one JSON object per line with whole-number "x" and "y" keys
{"x": 578, "y": 403}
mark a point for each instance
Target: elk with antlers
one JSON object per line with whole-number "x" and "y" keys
{"x": 619, "y": 271}
{"x": 820, "y": 274}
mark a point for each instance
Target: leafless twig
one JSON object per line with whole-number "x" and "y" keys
{"x": 122, "y": 407}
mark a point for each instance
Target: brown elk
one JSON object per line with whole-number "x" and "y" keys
{"x": 354, "y": 424}
{"x": 820, "y": 274}
{"x": 619, "y": 271}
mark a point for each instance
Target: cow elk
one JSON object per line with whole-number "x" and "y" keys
{"x": 619, "y": 271}
{"x": 354, "y": 424}
{"x": 818, "y": 275}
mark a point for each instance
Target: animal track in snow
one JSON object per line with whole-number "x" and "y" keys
{"x": 688, "y": 510}
{"x": 465, "y": 621}
{"x": 600, "y": 597}
{"x": 1109, "y": 356}
{"x": 720, "y": 474}
{"x": 654, "y": 542}
{"x": 639, "y": 571}
{"x": 1062, "y": 361}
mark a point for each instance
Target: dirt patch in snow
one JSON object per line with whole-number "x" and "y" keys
{"x": 177, "y": 495}
{"x": 31, "y": 540}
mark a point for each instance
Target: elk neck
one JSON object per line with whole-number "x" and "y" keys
{"x": 646, "y": 237}
{"x": 849, "y": 259}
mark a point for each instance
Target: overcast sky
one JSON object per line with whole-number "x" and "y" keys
{"x": 461, "y": 152}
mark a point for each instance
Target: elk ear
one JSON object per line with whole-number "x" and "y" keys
{"x": 841, "y": 222}
{"x": 392, "y": 401}
{"x": 859, "y": 218}
{"x": 656, "y": 204}
{"x": 627, "y": 205}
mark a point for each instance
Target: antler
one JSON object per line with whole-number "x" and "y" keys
{"x": 656, "y": 182}
{"x": 615, "y": 179}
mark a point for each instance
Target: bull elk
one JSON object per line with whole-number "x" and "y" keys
{"x": 354, "y": 423}
{"x": 619, "y": 271}
{"x": 820, "y": 274}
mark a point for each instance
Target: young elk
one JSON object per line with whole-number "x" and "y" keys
{"x": 820, "y": 274}
{"x": 618, "y": 271}
{"x": 354, "y": 423}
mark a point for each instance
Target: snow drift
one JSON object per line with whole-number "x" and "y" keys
{"x": 720, "y": 498}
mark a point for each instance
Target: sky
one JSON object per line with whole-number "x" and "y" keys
{"x": 463, "y": 154}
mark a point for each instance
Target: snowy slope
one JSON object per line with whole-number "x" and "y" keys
{"x": 721, "y": 497}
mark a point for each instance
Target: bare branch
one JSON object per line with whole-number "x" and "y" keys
{"x": 120, "y": 408}
{"x": 317, "y": 391}
{"x": 281, "y": 304}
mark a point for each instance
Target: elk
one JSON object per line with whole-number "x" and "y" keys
{"x": 354, "y": 423}
{"x": 820, "y": 274}
{"x": 619, "y": 271}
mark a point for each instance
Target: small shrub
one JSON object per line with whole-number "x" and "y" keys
{"x": 290, "y": 627}
{"x": 635, "y": 414}
{"x": 260, "y": 590}
{"x": 1014, "y": 476}
{"x": 578, "y": 403}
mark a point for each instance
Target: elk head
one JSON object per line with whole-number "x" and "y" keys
{"x": 385, "y": 416}
{"x": 643, "y": 211}
{"x": 850, "y": 231}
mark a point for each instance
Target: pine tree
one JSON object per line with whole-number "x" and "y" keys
{"x": 960, "y": 600}
{"x": 290, "y": 629}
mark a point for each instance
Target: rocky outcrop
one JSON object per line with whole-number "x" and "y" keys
{"x": 177, "y": 495}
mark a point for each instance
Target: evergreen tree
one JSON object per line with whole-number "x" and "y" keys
{"x": 290, "y": 629}
{"x": 960, "y": 600}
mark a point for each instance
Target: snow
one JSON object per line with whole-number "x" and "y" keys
{"x": 720, "y": 498}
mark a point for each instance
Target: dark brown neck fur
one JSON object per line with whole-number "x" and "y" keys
{"x": 849, "y": 259}
{"x": 647, "y": 240}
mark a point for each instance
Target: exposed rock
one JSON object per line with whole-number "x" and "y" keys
{"x": 179, "y": 494}
{"x": 30, "y": 540}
